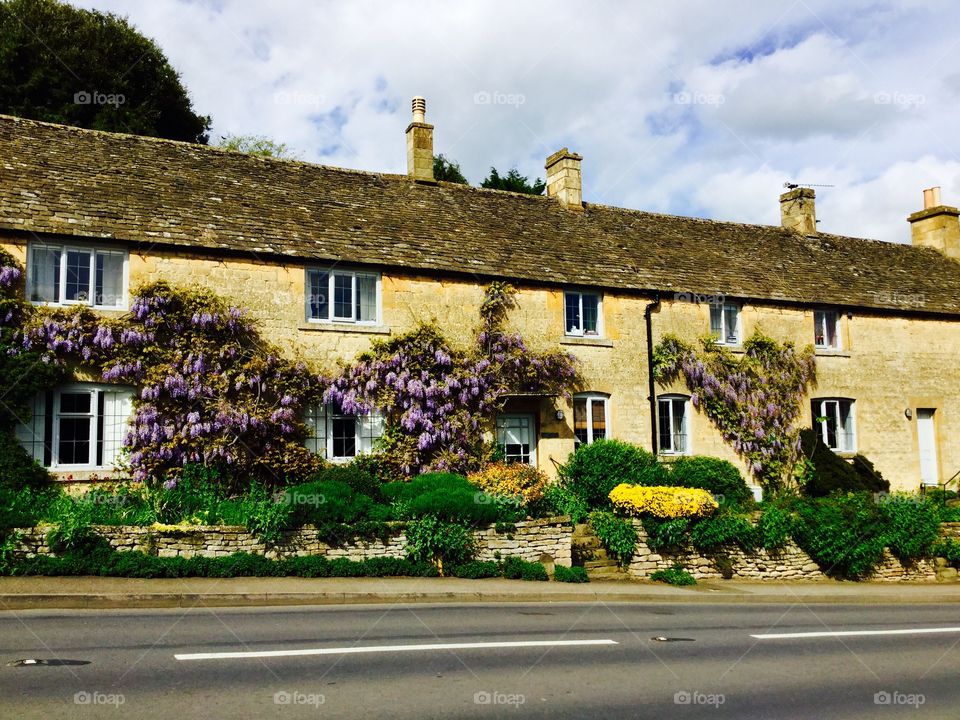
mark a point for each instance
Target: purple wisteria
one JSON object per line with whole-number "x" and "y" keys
{"x": 754, "y": 399}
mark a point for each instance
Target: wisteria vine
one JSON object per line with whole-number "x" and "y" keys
{"x": 754, "y": 399}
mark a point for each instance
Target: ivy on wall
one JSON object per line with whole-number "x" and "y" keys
{"x": 753, "y": 398}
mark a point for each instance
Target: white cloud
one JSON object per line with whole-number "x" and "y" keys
{"x": 803, "y": 86}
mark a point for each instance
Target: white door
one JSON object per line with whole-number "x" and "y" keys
{"x": 928, "y": 447}
{"x": 515, "y": 436}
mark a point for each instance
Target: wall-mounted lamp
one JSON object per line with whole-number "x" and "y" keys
{"x": 908, "y": 413}
{"x": 559, "y": 415}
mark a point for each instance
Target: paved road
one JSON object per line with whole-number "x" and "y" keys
{"x": 717, "y": 670}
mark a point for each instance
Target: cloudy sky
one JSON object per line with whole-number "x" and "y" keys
{"x": 698, "y": 108}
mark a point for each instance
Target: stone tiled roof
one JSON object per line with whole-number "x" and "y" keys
{"x": 69, "y": 181}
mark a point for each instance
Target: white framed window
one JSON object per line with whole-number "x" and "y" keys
{"x": 590, "y": 418}
{"x": 76, "y": 275}
{"x": 343, "y": 296}
{"x": 516, "y": 437}
{"x": 834, "y": 419}
{"x": 583, "y": 314}
{"x": 673, "y": 418}
{"x": 725, "y": 323}
{"x": 337, "y": 436}
{"x": 78, "y": 427}
{"x": 826, "y": 329}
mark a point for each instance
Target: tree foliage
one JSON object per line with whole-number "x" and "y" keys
{"x": 257, "y": 145}
{"x": 446, "y": 170}
{"x": 90, "y": 69}
{"x": 514, "y": 182}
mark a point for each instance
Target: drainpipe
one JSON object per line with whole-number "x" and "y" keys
{"x": 648, "y": 318}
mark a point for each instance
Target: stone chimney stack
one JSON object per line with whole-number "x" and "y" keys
{"x": 420, "y": 144}
{"x": 937, "y": 225}
{"x": 798, "y": 211}
{"x": 563, "y": 179}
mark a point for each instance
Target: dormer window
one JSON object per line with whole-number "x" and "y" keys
{"x": 582, "y": 314}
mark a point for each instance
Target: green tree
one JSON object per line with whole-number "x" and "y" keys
{"x": 447, "y": 170}
{"x": 90, "y": 69}
{"x": 514, "y": 182}
{"x": 257, "y": 145}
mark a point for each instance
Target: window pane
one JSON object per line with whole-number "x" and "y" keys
{"x": 366, "y": 298}
{"x": 318, "y": 286}
{"x": 316, "y": 421}
{"x": 730, "y": 323}
{"x": 716, "y": 321}
{"x": 830, "y": 323}
{"x": 830, "y": 413}
{"x": 74, "y": 403}
{"x": 109, "y": 281}
{"x": 343, "y": 297}
{"x": 514, "y": 435}
{"x": 74, "y": 445}
{"x": 78, "y": 276}
{"x": 344, "y": 431}
{"x": 679, "y": 425}
{"x": 572, "y": 312}
{"x": 819, "y": 327}
{"x": 598, "y": 408}
{"x": 44, "y": 275}
{"x": 663, "y": 421}
{"x": 117, "y": 406}
{"x": 845, "y": 426}
{"x": 591, "y": 314}
{"x": 580, "y": 421}
{"x": 371, "y": 430}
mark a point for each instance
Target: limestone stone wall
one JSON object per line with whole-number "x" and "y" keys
{"x": 530, "y": 540}
{"x": 790, "y": 563}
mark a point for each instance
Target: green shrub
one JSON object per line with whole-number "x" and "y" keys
{"x": 27, "y": 506}
{"x": 773, "y": 528}
{"x": 447, "y": 496}
{"x": 72, "y": 530}
{"x": 561, "y": 573}
{"x": 17, "y": 469}
{"x": 560, "y": 500}
{"x": 712, "y": 474}
{"x": 265, "y": 515}
{"x": 360, "y": 475}
{"x": 948, "y": 548}
{"x": 191, "y": 498}
{"x": 725, "y": 527}
{"x": 911, "y": 525}
{"x": 326, "y": 501}
{"x": 617, "y": 535}
{"x": 477, "y": 569}
{"x": 430, "y": 539}
{"x": 666, "y": 535}
{"x": 515, "y": 568}
{"x": 594, "y": 469}
{"x": 831, "y": 473}
{"x": 674, "y": 575}
{"x": 842, "y": 533}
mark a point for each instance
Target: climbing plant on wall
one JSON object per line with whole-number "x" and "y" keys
{"x": 753, "y": 398}
{"x": 439, "y": 399}
{"x": 210, "y": 390}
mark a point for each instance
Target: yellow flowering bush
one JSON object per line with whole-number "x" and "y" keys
{"x": 662, "y": 502}
{"x": 512, "y": 480}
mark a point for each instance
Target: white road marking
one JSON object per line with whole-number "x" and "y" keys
{"x": 391, "y": 648}
{"x": 855, "y": 633}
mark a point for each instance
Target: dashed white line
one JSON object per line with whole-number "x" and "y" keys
{"x": 856, "y": 633}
